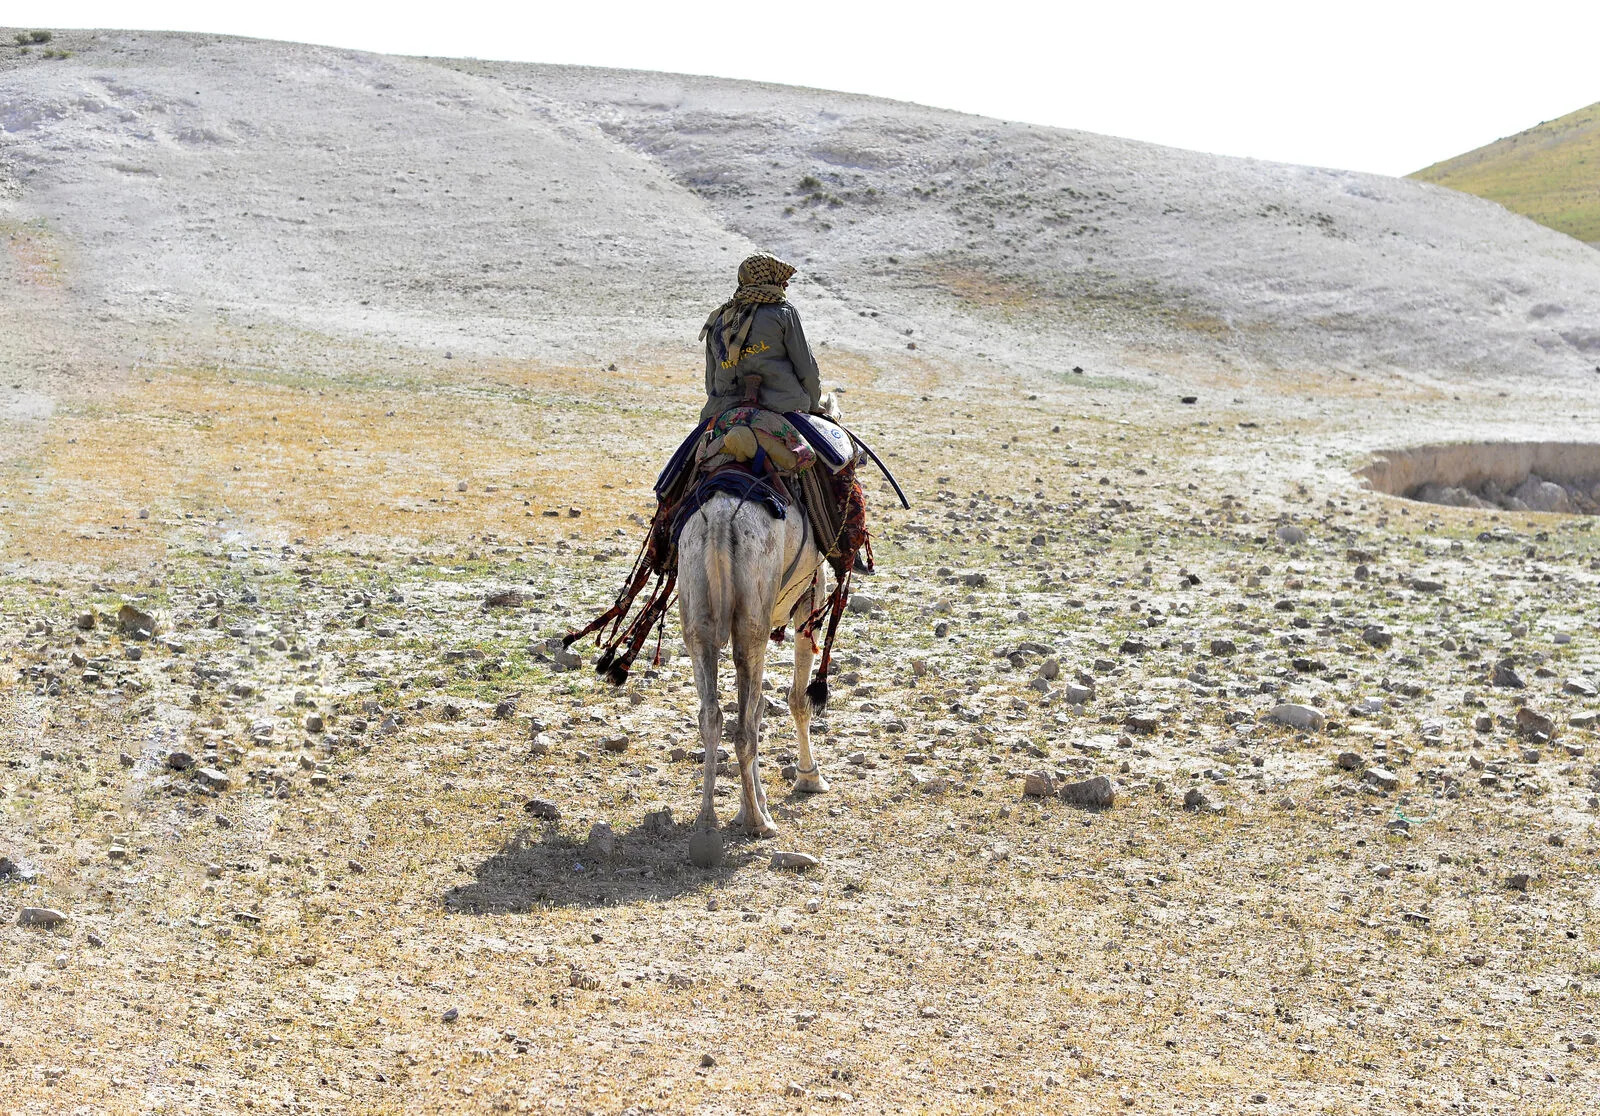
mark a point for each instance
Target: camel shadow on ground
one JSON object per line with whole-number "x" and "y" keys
{"x": 545, "y": 869}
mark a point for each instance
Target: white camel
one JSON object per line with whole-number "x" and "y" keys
{"x": 742, "y": 574}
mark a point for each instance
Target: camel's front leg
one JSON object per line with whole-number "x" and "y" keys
{"x": 749, "y": 665}
{"x": 809, "y": 780}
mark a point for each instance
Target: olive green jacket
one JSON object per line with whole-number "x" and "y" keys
{"x": 777, "y": 351}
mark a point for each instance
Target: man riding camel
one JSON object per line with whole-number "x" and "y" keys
{"x": 768, "y": 435}
{"x": 757, "y": 332}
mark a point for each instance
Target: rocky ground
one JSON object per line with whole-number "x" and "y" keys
{"x": 289, "y": 837}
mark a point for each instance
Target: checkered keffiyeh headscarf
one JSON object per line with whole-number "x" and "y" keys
{"x": 761, "y": 279}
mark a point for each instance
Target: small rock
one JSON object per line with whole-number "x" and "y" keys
{"x": 213, "y": 778}
{"x": 1077, "y": 695}
{"x": 450, "y": 1015}
{"x": 796, "y": 861}
{"x": 44, "y": 917}
{"x": 1506, "y": 677}
{"x": 1382, "y": 871}
{"x": 1039, "y": 784}
{"x": 1376, "y": 637}
{"x": 1530, "y": 724}
{"x": 314, "y": 722}
{"x": 1483, "y": 723}
{"x": 180, "y": 761}
{"x": 615, "y": 743}
{"x": 1144, "y": 721}
{"x": 1301, "y": 717}
{"x": 707, "y": 1061}
{"x": 86, "y": 620}
{"x": 1519, "y": 881}
{"x": 1382, "y": 778}
{"x": 1581, "y": 687}
{"x": 543, "y": 809}
{"x": 126, "y": 760}
{"x": 861, "y": 602}
{"x": 657, "y": 823}
{"x": 1096, "y": 793}
{"x": 136, "y": 622}
{"x": 1195, "y": 798}
{"x": 1349, "y": 761}
{"x": 1290, "y": 534}
{"x": 1223, "y": 647}
{"x": 602, "y": 841}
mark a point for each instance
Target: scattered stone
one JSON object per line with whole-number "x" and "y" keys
{"x": 1580, "y": 687}
{"x": 795, "y": 861}
{"x": 1144, "y": 722}
{"x": 1039, "y": 784}
{"x": 1519, "y": 881}
{"x": 450, "y": 1015}
{"x": 213, "y": 778}
{"x": 1223, "y": 647}
{"x": 1196, "y": 799}
{"x": 602, "y": 843}
{"x": 1506, "y": 677}
{"x": 1376, "y": 637}
{"x": 1290, "y": 534}
{"x": 543, "y": 809}
{"x": 861, "y": 602}
{"x": 314, "y": 722}
{"x": 1300, "y": 717}
{"x": 1531, "y": 724}
{"x": 1077, "y": 695}
{"x": 1584, "y": 720}
{"x": 1382, "y": 778}
{"x": 1096, "y": 793}
{"x": 615, "y": 744}
{"x": 1349, "y": 761}
{"x": 1382, "y": 871}
{"x": 658, "y": 823}
{"x": 1483, "y": 723}
{"x": 180, "y": 760}
{"x": 136, "y": 622}
{"x": 86, "y": 620}
{"x": 42, "y": 917}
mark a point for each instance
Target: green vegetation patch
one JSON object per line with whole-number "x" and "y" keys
{"x": 1550, "y": 173}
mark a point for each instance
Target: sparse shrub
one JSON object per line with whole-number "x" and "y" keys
{"x": 810, "y": 182}
{"x": 40, "y": 36}
{"x": 21, "y": 38}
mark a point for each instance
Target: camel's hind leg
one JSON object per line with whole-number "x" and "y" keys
{"x": 749, "y": 664}
{"x": 704, "y": 657}
{"x": 809, "y": 780}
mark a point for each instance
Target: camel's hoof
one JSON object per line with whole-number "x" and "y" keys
{"x": 767, "y": 828}
{"x": 705, "y": 848}
{"x": 810, "y": 784}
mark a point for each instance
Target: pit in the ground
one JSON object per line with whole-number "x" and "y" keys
{"x": 1562, "y": 477}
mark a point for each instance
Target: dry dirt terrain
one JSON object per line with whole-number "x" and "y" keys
{"x": 332, "y": 388}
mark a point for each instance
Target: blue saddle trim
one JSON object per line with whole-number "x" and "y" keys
{"x": 681, "y": 460}
{"x": 829, "y": 439}
{"x": 734, "y": 482}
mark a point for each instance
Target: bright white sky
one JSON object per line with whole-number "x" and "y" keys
{"x": 1377, "y": 86}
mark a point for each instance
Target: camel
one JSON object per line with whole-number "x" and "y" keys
{"x": 742, "y": 574}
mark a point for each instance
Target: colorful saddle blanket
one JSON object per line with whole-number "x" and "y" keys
{"x": 736, "y": 482}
